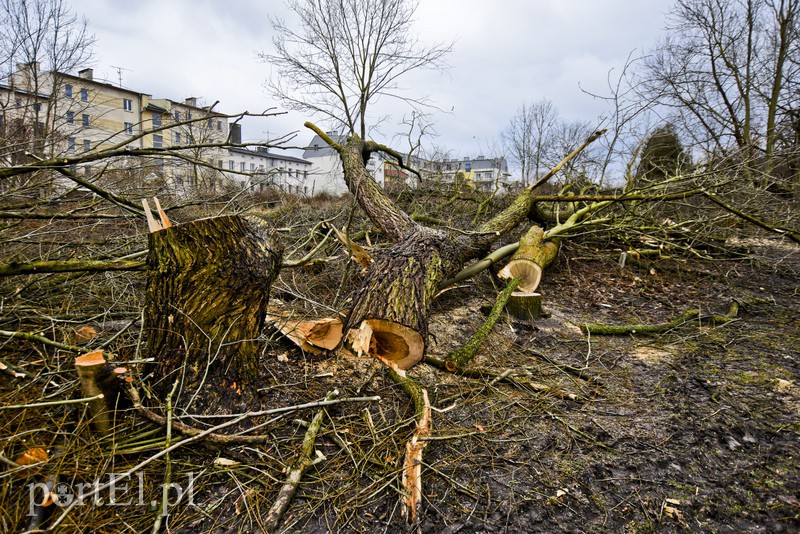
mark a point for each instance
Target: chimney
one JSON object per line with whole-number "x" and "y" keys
{"x": 236, "y": 133}
{"x": 32, "y": 66}
{"x": 191, "y": 101}
{"x": 86, "y": 74}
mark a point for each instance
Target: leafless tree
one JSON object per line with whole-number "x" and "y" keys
{"x": 724, "y": 74}
{"x": 529, "y": 138}
{"x": 46, "y": 37}
{"x": 346, "y": 54}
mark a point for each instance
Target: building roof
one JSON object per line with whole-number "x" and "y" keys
{"x": 318, "y": 148}
{"x": 487, "y": 164}
{"x": 267, "y": 154}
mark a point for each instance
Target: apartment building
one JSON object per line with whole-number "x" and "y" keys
{"x": 326, "y": 174}
{"x": 260, "y": 169}
{"x": 481, "y": 173}
{"x": 54, "y": 114}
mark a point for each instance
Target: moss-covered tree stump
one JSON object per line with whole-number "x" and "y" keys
{"x": 206, "y": 301}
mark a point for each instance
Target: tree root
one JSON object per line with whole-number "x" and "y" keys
{"x": 660, "y": 328}
{"x": 412, "y": 466}
{"x": 505, "y": 377}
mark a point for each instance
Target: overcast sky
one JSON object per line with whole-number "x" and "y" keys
{"x": 505, "y": 52}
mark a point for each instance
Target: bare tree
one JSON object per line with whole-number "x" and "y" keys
{"x": 529, "y": 138}
{"x": 46, "y": 38}
{"x": 722, "y": 72}
{"x": 345, "y": 55}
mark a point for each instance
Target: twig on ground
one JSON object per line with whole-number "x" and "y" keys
{"x": 303, "y": 462}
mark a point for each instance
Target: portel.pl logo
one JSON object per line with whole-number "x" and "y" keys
{"x": 111, "y": 490}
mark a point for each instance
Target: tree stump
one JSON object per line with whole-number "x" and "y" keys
{"x": 206, "y": 301}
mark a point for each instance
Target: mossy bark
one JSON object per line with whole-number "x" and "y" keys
{"x": 207, "y": 294}
{"x": 400, "y": 285}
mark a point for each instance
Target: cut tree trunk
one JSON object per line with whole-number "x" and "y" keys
{"x": 206, "y": 301}
{"x": 389, "y": 317}
{"x": 532, "y": 256}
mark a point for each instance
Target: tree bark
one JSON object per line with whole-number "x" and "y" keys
{"x": 207, "y": 294}
{"x": 389, "y": 317}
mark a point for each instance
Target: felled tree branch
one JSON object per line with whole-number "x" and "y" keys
{"x": 69, "y": 266}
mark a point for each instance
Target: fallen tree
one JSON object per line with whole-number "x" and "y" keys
{"x": 389, "y": 316}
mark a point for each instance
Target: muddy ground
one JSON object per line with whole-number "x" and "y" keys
{"x": 694, "y": 430}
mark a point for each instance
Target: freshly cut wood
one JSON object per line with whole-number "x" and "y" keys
{"x": 90, "y": 367}
{"x": 532, "y": 256}
{"x": 394, "y": 344}
{"x": 206, "y": 302}
{"x": 316, "y": 336}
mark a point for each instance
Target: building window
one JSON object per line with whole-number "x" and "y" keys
{"x": 71, "y": 144}
{"x": 127, "y": 104}
{"x": 84, "y": 94}
{"x": 211, "y": 183}
{"x": 177, "y": 138}
{"x": 210, "y": 123}
{"x": 219, "y": 125}
{"x": 231, "y": 165}
{"x": 179, "y": 181}
{"x": 261, "y": 168}
{"x": 87, "y": 170}
{"x": 85, "y": 119}
{"x": 219, "y": 163}
{"x": 188, "y": 115}
{"x": 158, "y": 141}
{"x": 68, "y": 91}
{"x": 87, "y": 145}
{"x": 70, "y": 117}
{"x": 37, "y": 106}
{"x": 18, "y": 102}
{"x": 156, "y": 120}
{"x": 129, "y": 128}
{"x": 241, "y": 166}
{"x": 252, "y": 167}
{"x": 177, "y": 116}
